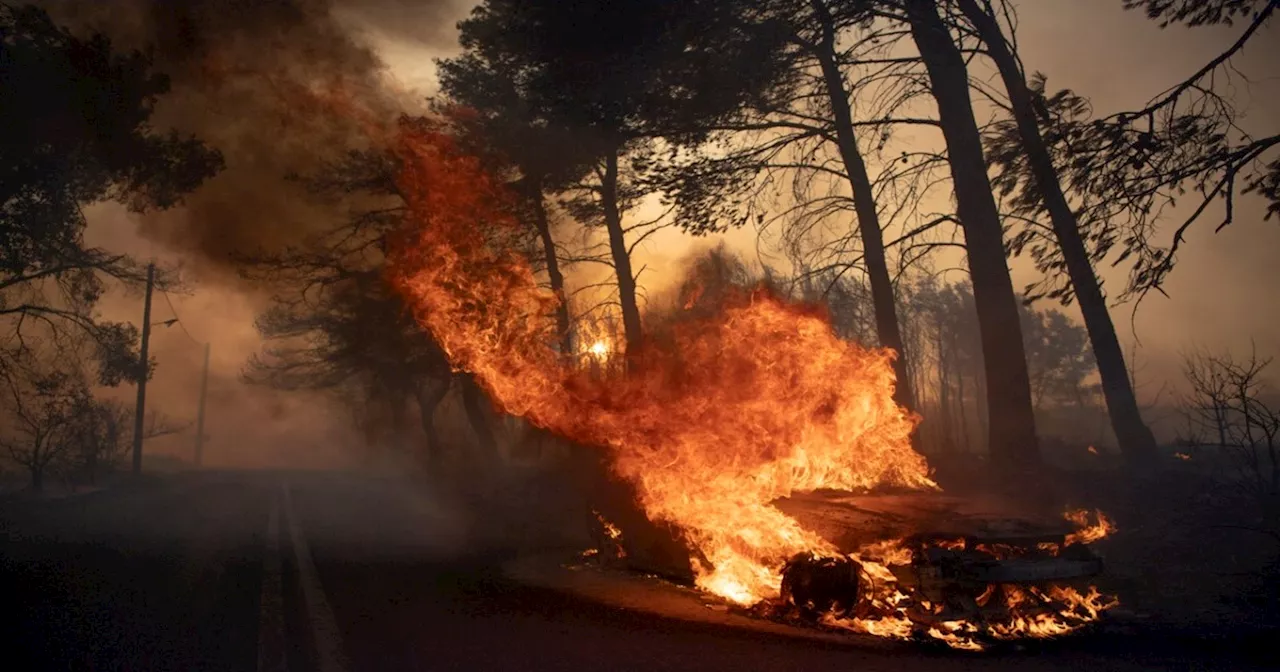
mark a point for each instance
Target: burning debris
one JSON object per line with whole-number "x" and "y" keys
{"x": 961, "y": 590}
{"x": 608, "y": 541}
{"x": 714, "y": 422}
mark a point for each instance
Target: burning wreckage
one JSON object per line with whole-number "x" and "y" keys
{"x": 926, "y": 567}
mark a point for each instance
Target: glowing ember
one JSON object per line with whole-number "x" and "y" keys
{"x": 711, "y": 420}
{"x": 614, "y": 536}
{"x": 610, "y": 530}
{"x": 1182, "y": 456}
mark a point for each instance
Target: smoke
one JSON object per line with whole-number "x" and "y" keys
{"x": 269, "y": 83}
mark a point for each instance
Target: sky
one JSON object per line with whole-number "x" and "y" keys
{"x": 1220, "y": 293}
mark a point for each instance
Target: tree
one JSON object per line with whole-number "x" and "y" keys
{"x": 496, "y": 119}
{"x": 1232, "y": 407}
{"x": 797, "y": 105}
{"x": 100, "y": 433}
{"x": 1186, "y": 145}
{"x": 617, "y": 76}
{"x": 335, "y": 323}
{"x": 40, "y": 404}
{"x": 1135, "y": 438}
{"x": 74, "y": 131}
{"x": 1058, "y": 358}
{"x": 1011, "y": 430}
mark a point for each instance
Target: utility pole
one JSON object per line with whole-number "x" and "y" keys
{"x": 204, "y": 388}
{"x": 140, "y": 408}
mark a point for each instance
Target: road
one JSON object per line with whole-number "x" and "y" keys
{"x": 322, "y": 571}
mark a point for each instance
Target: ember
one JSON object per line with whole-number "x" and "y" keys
{"x": 711, "y": 423}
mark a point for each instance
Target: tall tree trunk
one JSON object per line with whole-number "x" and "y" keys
{"x": 980, "y": 403}
{"x": 1137, "y": 443}
{"x": 539, "y": 209}
{"x": 473, "y": 402}
{"x": 618, "y": 248}
{"x": 964, "y": 412}
{"x": 429, "y": 395}
{"x": 1012, "y": 435}
{"x": 864, "y": 204}
{"x": 401, "y": 445}
{"x": 37, "y": 477}
{"x": 944, "y": 398}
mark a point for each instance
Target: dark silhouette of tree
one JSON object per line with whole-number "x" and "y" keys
{"x": 1197, "y": 12}
{"x": 335, "y": 322}
{"x": 1232, "y": 407}
{"x": 617, "y": 75}
{"x": 40, "y": 405}
{"x": 1136, "y": 440}
{"x": 797, "y": 103}
{"x": 1011, "y": 430}
{"x": 101, "y": 434}
{"x": 1059, "y": 359}
{"x": 1130, "y": 169}
{"x": 74, "y": 130}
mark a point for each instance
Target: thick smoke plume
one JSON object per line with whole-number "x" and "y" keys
{"x": 261, "y": 81}
{"x": 257, "y": 80}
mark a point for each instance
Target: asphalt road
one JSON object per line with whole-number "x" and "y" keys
{"x": 316, "y": 571}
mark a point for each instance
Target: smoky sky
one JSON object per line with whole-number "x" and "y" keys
{"x": 251, "y": 78}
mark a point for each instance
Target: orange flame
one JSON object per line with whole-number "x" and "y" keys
{"x": 712, "y": 423}
{"x": 1089, "y": 531}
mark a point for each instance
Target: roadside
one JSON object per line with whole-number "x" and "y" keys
{"x": 155, "y": 575}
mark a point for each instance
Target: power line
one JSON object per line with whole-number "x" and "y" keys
{"x": 179, "y": 318}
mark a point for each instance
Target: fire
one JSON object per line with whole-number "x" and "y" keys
{"x": 711, "y": 419}
{"x": 1089, "y": 531}
{"x": 712, "y": 422}
{"x": 614, "y": 536}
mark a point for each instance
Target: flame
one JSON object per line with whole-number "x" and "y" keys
{"x": 614, "y": 535}
{"x": 1089, "y": 531}
{"x": 711, "y": 419}
{"x": 712, "y": 423}
{"x": 1182, "y": 456}
{"x": 610, "y": 530}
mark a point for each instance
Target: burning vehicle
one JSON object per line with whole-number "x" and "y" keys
{"x": 920, "y": 566}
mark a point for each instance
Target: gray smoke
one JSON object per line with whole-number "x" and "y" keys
{"x": 256, "y": 79}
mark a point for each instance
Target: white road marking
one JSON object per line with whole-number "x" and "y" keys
{"x": 271, "y": 656}
{"x": 324, "y": 629}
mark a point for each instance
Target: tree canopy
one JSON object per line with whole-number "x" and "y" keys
{"x": 75, "y": 130}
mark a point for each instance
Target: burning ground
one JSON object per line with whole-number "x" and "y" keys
{"x": 710, "y": 421}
